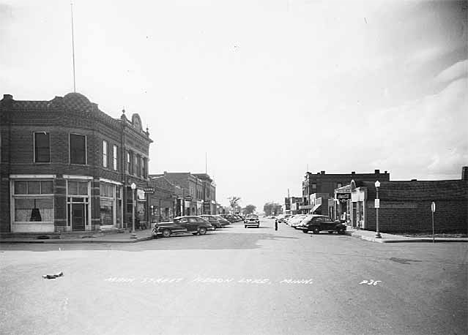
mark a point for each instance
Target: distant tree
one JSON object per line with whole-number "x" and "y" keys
{"x": 249, "y": 209}
{"x": 272, "y": 208}
{"x": 234, "y": 204}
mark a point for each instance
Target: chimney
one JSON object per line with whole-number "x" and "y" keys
{"x": 414, "y": 180}
{"x": 353, "y": 172}
{"x": 7, "y": 97}
{"x": 322, "y": 172}
{"x": 465, "y": 173}
{"x": 377, "y": 171}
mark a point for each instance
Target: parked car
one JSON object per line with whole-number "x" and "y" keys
{"x": 296, "y": 220}
{"x": 318, "y": 223}
{"x": 223, "y": 221}
{"x": 182, "y": 224}
{"x": 251, "y": 220}
{"x": 230, "y": 218}
{"x": 215, "y": 222}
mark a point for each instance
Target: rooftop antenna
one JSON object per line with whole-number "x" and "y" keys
{"x": 73, "y": 48}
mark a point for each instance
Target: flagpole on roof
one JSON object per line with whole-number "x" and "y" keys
{"x": 73, "y": 48}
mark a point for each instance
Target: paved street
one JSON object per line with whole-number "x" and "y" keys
{"x": 235, "y": 281}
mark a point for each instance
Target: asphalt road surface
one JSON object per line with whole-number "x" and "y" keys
{"x": 235, "y": 281}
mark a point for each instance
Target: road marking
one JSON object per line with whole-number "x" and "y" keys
{"x": 370, "y": 282}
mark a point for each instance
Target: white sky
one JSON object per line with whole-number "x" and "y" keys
{"x": 266, "y": 88}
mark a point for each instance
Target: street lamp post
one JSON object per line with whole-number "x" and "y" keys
{"x": 133, "y": 187}
{"x": 377, "y": 206}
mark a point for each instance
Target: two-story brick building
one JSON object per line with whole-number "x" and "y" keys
{"x": 198, "y": 192}
{"x": 68, "y": 166}
{"x": 318, "y": 189}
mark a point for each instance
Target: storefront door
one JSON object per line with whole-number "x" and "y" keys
{"x": 78, "y": 216}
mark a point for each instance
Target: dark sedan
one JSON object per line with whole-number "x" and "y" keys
{"x": 318, "y": 223}
{"x": 215, "y": 222}
{"x": 182, "y": 224}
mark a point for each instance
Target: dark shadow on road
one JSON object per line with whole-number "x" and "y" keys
{"x": 210, "y": 241}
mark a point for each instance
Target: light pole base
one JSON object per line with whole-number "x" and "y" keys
{"x": 133, "y": 236}
{"x": 378, "y": 235}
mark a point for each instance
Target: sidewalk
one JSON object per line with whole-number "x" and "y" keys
{"x": 390, "y": 238}
{"x": 82, "y": 237}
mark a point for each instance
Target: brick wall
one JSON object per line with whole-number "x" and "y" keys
{"x": 450, "y": 216}
{"x": 19, "y": 121}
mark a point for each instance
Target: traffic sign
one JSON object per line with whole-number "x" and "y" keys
{"x": 433, "y": 207}
{"x": 377, "y": 203}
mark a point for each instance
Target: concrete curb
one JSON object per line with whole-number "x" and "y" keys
{"x": 403, "y": 239}
{"x": 75, "y": 241}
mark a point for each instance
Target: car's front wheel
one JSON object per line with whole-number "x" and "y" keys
{"x": 316, "y": 230}
{"x": 305, "y": 231}
{"x": 166, "y": 233}
{"x": 202, "y": 231}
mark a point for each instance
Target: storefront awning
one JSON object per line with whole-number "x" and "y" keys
{"x": 315, "y": 208}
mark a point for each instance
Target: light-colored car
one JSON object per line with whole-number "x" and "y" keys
{"x": 296, "y": 220}
{"x": 251, "y": 220}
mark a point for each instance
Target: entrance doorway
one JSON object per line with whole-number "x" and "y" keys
{"x": 78, "y": 216}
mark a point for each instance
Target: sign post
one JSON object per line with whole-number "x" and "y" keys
{"x": 433, "y": 209}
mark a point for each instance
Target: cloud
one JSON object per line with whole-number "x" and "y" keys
{"x": 427, "y": 135}
{"x": 454, "y": 72}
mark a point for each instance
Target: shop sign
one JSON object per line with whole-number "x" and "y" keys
{"x": 149, "y": 190}
{"x": 343, "y": 196}
{"x": 140, "y": 194}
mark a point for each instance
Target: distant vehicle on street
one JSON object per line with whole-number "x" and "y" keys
{"x": 251, "y": 220}
{"x": 215, "y": 222}
{"x": 182, "y": 224}
{"x": 318, "y": 223}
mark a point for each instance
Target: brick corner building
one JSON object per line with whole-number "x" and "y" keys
{"x": 68, "y": 166}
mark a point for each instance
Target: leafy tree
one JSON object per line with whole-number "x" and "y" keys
{"x": 272, "y": 208}
{"x": 234, "y": 203}
{"x": 249, "y": 209}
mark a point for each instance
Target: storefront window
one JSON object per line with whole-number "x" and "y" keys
{"x": 110, "y": 205}
{"x": 33, "y": 201}
{"x": 107, "y": 212}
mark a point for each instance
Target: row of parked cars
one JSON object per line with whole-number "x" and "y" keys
{"x": 196, "y": 225}
{"x": 312, "y": 222}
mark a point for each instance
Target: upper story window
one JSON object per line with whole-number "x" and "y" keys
{"x": 338, "y": 185}
{"x": 128, "y": 163}
{"x": 115, "y": 157}
{"x": 105, "y": 155}
{"x": 136, "y": 167}
{"x": 314, "y": 186}
{"x": 144, "y": 167}
{"x": 77, "y": 149}
{"x": 41, "y": 147}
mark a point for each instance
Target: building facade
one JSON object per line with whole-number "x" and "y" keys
{"x": 318, "y": 190}
{"x": 405, "y": 206}
{"x": 68, "y": 166}
{"x": 198, "y": 192}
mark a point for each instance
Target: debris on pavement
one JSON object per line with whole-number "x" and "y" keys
{"x": 53, "y": 276}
